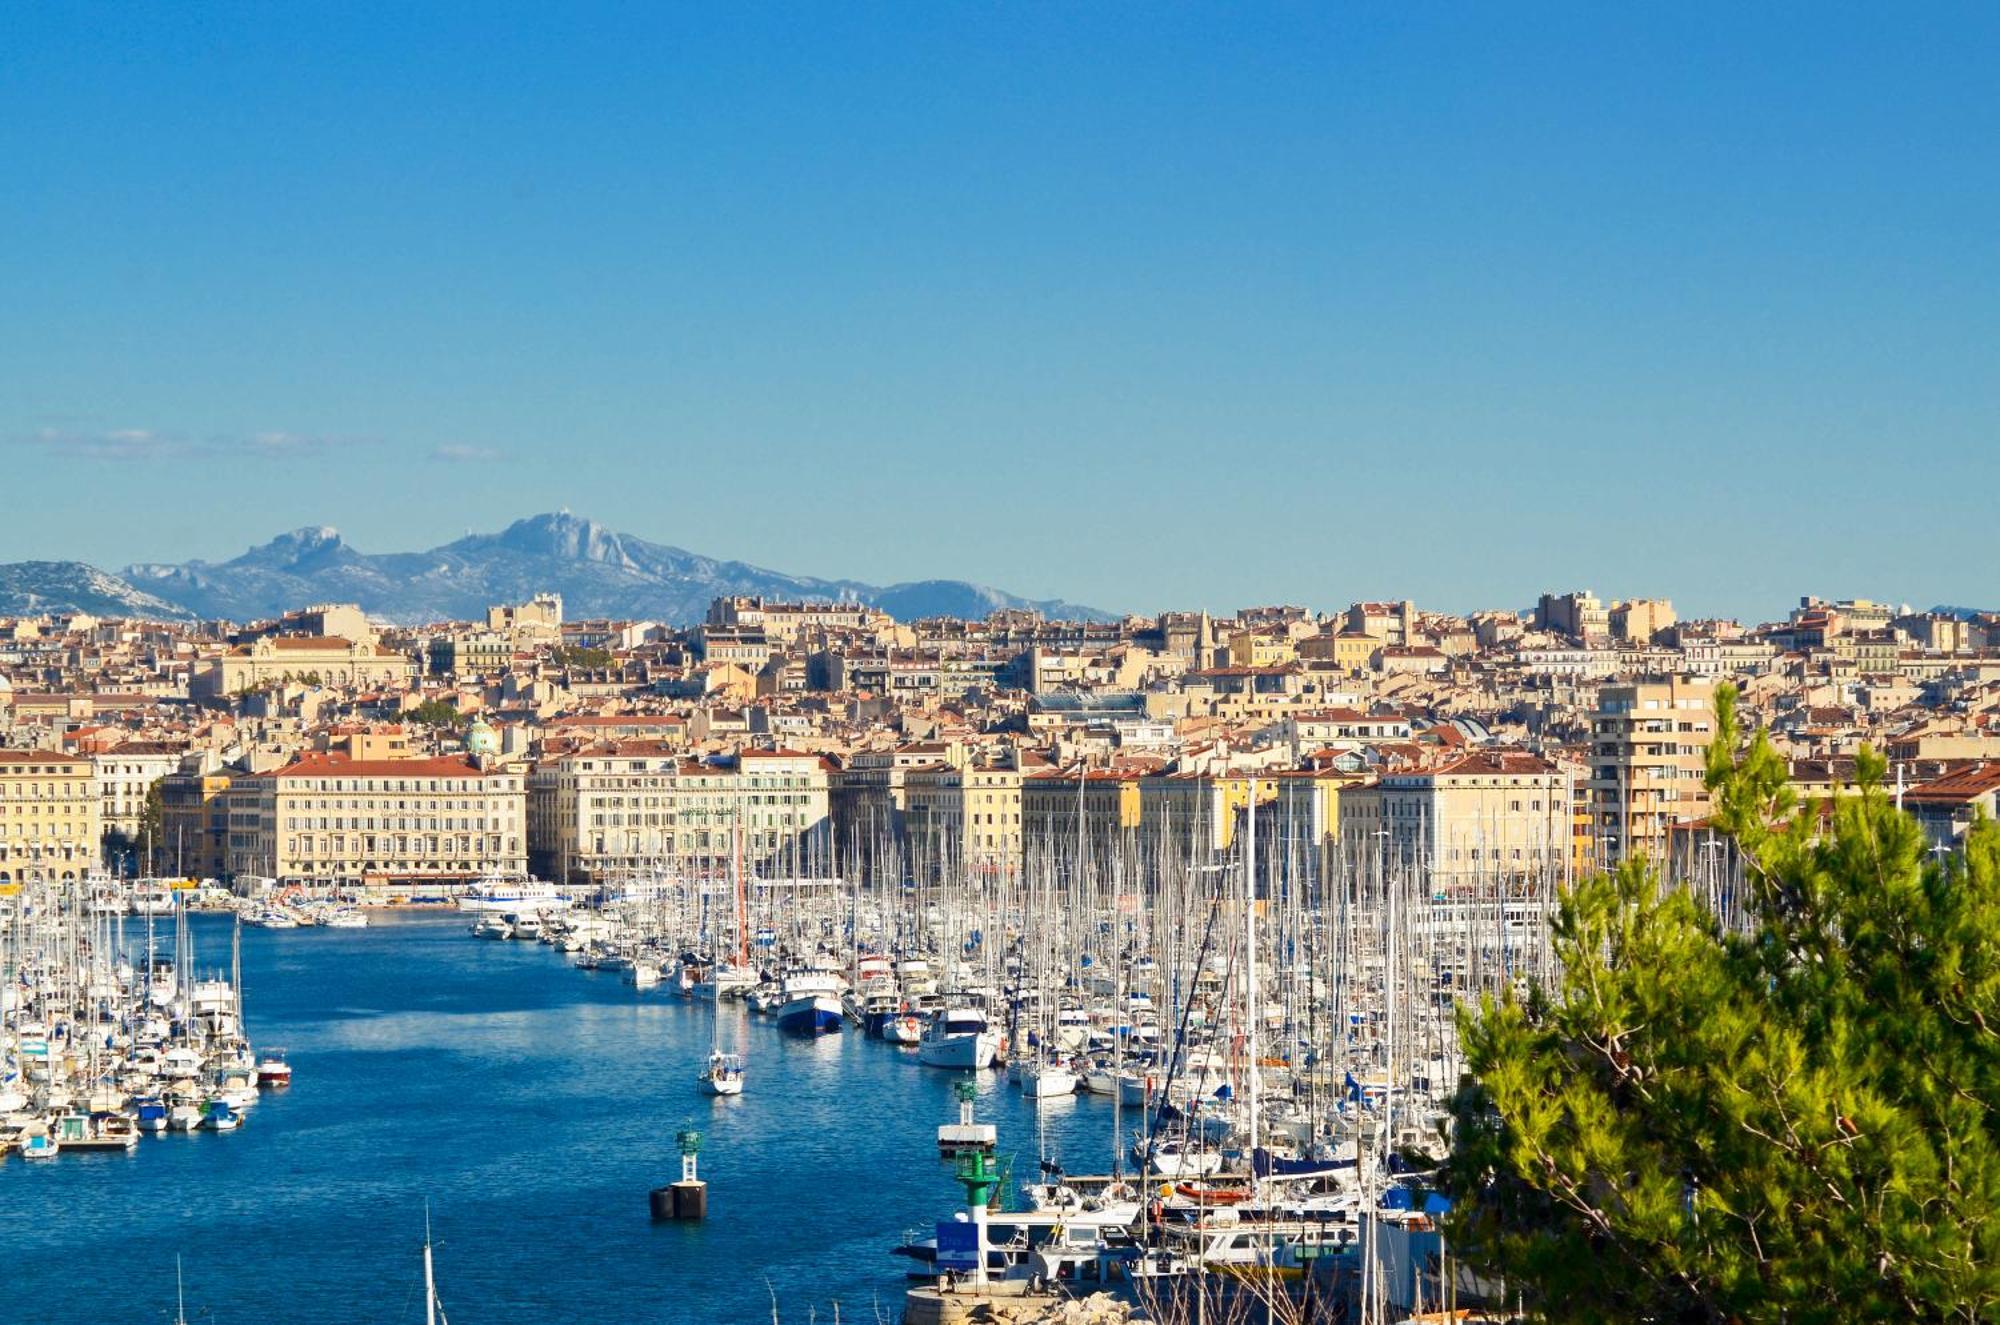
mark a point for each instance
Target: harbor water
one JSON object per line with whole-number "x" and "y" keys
{"x": 532, "y": 1106}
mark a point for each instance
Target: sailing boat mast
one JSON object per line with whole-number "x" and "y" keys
{"x": 1251, "y": 1015}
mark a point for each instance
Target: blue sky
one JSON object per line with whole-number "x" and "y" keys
{"x": 1135, "y": 305}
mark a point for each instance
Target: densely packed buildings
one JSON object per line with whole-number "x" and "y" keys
{"x": 815, "y": 738}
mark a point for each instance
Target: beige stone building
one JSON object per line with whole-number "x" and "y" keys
{"x": 327, "y": 659}
{"x": 125, "y": 777}
{"x": 1640, "y": 619}
{"x": 626, "y": 808}
{"x": 965, "y": 816}
{"x": 49, "y": 816}
{"x": 1649, "y": 752}
{"x": 329, "y": 818}
{"x": 1484, "y": 813}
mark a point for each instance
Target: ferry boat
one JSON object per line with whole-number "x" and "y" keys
{"x": 519, "y": 893}
{"x": 959, "y": 1038}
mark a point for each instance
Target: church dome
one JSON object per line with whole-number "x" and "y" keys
{"x": 481, "y": 739}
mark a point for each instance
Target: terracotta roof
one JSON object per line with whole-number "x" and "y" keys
{"x": 340, "y": 766}
{"x": 40, "y": 757}
{"x": 1964, "y": 785}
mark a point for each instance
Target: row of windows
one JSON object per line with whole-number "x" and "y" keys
{"x": 407, "y": 823}
{"x": 378, "y": 787}
{"x": 378, "y": 804}
{"x": 399, "y": 845}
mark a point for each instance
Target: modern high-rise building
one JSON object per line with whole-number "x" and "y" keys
{"x": 1648, "y": 759}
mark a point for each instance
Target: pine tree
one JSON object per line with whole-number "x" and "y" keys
{"x": 1793, "y": 1121}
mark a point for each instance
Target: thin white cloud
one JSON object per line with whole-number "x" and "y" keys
{"x": 149, "y": 443}
{"x": 454, "y": 453}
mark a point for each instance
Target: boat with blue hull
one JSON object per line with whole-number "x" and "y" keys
{"x": 809, "y": 1004}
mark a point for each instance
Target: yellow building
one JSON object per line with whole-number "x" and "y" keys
{"x": 49, "y": 816}
{"x": 1058, "y": 811}
{"x": 967, "y": 816}
{"x": 1261, "y": 648}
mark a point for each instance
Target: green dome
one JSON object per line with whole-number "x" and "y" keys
{"x": 481, "y": 739}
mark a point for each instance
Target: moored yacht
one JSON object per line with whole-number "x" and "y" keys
{"x": 959, "y": 1037}
{"x": 809, "y": 1003}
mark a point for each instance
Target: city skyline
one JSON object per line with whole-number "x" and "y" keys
{"x": 1436, "y": 303}
{"x": 910, "y": 597}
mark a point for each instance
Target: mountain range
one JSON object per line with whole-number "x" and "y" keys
{"x": 598, "y": 571}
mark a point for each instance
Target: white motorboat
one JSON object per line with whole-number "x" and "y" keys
{"x": 1047, "y": 1079}
{"x": 491, "y": 925}
{"x": 152, "y": 897}
{"x": 959, "y": 1038}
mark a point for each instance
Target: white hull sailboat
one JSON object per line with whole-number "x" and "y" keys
{"x": 721, "y": 1075}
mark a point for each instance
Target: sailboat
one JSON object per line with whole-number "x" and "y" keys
{"x": 433, "y": 1309}
{"x": 723, "y": 1073}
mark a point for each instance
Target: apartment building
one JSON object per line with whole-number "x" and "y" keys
{"x": 1578, "y": 614}
{"x": 1948, "y": 806}
{"x": 965, "y": 816}
{"x": 125, "y": 777}
{"x": 194, "y": 819}
{"x": 631, "y": 807}
{"x": 328, "y": 818}
{"x": 49, "y": 816}
{"x": 1649, "y": 753}
{"x": 1479, "y": 814}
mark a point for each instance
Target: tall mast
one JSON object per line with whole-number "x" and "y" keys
{"x": 430, "y": 1280}
{"x": 1250, "y": 1009}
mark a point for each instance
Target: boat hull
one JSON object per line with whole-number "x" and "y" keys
{"x": 817, "y": 1014}
{"x": 961, "y": 1053}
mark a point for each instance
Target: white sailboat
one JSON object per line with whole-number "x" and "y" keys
{"x": 723, "y": 1073}
{"x": 433, "y": 1309}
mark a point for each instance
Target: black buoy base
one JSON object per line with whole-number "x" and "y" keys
{"x": 680, "y": 1200}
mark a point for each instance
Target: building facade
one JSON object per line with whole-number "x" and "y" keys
{"x": 1649, "y": 757}
{"x": 329, "y": 819}
{"x": 49, "y": 816}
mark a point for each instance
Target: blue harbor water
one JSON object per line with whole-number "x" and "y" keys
{"x": 533, "y": 1106}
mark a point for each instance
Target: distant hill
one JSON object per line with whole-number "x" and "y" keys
{"x": 598, "y": 571}
{"x": 30, "y": 588}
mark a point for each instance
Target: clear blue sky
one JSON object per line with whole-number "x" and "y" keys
{"x": 1133, "y": 304}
